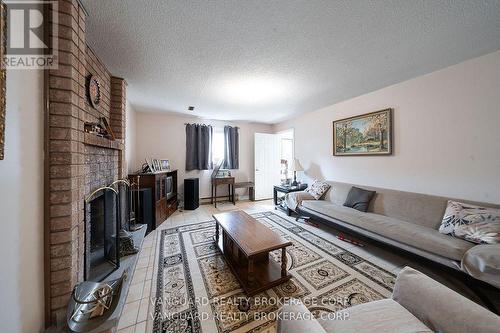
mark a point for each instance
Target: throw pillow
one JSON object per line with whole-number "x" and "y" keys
{"x": 484, "y": 222}
{"x": 359, "y": 199}
{"x": 317, "y": 189}
{"x": 481, "y": 232}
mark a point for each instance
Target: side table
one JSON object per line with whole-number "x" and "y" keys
{"x": 216, "y": 181}
{"x": 279, "y": 202}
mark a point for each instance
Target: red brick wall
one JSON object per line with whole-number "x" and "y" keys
{"x": 78, "y": 164}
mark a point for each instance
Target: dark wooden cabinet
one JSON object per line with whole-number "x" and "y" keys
{"x": 164, "y": 188}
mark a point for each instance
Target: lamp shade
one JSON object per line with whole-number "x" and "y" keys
{"x": 296, "y": 165}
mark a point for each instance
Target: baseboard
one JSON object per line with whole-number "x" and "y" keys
{"x": 237, "y": 197}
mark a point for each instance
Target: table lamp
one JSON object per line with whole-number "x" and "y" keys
{"x": 296, "y": 167}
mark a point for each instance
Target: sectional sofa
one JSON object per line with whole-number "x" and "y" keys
{"x": 418, "y": 304}
{"x": 409, "y": 222}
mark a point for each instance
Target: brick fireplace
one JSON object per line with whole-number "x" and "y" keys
{"x": 77, "y": 163}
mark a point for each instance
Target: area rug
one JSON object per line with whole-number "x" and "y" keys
{"x": 197, "y": 292}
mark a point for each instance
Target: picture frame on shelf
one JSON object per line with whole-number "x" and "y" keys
{"x": 165, "y": 165}
{"x": 150, "y": 164}
{"x": 156, "y": 165}
{"x": 223, "y": 173}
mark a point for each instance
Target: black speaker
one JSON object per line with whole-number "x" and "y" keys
{"x": 191, "y": 193}
{"x": 144, "y": 210}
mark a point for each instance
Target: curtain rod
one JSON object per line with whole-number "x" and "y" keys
{"x": 207, "y": 125}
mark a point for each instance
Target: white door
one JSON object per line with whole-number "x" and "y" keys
{"x": 267, "y": 164}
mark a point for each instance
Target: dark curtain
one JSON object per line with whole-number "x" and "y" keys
{"x": 198, "y": 147}
{"x": 231, "y": 148}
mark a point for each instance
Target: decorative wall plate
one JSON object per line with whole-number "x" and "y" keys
{"x": 94, "y": 91}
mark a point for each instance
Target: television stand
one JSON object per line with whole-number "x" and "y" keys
{"x": 162, "y": 205}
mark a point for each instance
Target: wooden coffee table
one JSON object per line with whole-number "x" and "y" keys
{"x": 246, "y": 243}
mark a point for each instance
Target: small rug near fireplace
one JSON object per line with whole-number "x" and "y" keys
{"x": 196, "y": 291}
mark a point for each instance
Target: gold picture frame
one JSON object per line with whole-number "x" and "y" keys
{"x": 3, "y": 43}
{"x": 364, "y": 135}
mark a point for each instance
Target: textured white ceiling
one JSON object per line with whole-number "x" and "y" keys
{"x": 267, "y": 61}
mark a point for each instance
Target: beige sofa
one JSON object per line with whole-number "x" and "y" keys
{"x": 409, "y": 221}
{"x": 418, "y": 304}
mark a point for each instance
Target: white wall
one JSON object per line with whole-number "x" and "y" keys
{"x": 130, "y": 135}
{"x": 21, "y": 206}
{"x": 164, "y": 137}
{"x": 447, "y": 134}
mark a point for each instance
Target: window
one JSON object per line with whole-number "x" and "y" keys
{"x": 218, "y": 145}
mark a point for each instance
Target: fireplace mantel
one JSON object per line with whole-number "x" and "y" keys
{"x": 99, "y": 141}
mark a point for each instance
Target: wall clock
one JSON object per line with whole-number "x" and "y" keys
{"x": 94, "y": 91}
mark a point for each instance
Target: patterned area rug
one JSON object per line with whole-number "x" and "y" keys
{"x": 197, "y": 292}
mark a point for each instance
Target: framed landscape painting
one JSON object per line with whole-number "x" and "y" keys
{"x": 367, "y": 134}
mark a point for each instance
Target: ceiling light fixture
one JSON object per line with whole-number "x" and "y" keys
{"x": 253, "y": 90}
